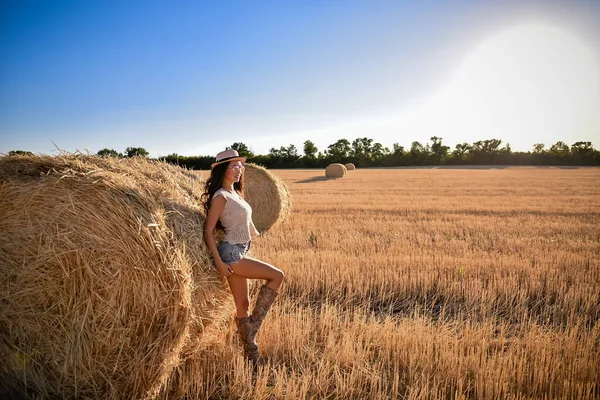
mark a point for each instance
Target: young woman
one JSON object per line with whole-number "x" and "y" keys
{"x": 226, "y": 209}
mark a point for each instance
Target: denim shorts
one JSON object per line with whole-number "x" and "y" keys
{"x": 232, "y": 253}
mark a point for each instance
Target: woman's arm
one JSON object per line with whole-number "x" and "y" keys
{"x": 217, "y": 205}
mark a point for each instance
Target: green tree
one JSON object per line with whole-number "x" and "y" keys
{"x": 361, "y": 152}
{"x": 310, "y": 150}
{"x": 362, "y": 149}
{"x": 539, "y": 156}
{"x": 584, "y": 153}
{"x": 560, "y": 149}
{"x": 291, "y": 152}
{"x": 136, "y": 152}
{"x": 439, "y": 152}
{"x": 461, "y": 151}
{"x": 397, "y": 149}
{"x": 378, "y": 152}
{"x": 242, "y": 149}
{"x": 505, "y": 155}
{"x": 486, "y": 151}
{"x": 108, "y": 153}
{"x": 173, "y": 158}
{"x": 418, "y": 153}
{"x": 338, "y": 151}
{"x": 538, "y": 148}
{"x": 396, "y": 156}
{"x": 20, "y": 153}
{"x": 284, "y": 156}
{"x": 582, "y": 147}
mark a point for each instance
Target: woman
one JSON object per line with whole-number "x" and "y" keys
{"x": 226, "y": 209}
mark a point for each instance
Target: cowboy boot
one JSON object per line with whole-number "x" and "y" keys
{"x": 244, "y": 327}
{"x": 266, "y": 297}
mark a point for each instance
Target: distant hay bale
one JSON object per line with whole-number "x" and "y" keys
{"x": 350, "y": 167}
{"x": 335, "y": 171}
{"x": 267, "y": 195}
{"x": 105, "y": 280}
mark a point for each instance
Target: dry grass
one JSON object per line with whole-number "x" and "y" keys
{"x": 429, "y": 283}
{"x": 105, "y": 282}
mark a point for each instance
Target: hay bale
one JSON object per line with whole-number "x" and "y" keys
{"x": 267, "y": 195}
{"x": 195, "y": 377}
{"x": 350, "y": 167}
{"x": 104, "y": 275}
{"x": 335, "y": 171}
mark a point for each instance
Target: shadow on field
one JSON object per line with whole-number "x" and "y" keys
{"x": 313, "y": 179}
{"x": 448, "y": 167}
{"x": 483, "y": 167}
{"x": 437, "y": 307}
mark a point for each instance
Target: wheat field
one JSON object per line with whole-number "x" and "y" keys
{"x": 427, "y": 283}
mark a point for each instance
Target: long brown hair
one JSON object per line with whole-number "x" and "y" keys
{"x": 213, "y": 183}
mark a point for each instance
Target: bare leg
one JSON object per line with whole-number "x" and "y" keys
{"x": 255, "y": 269}
{"x": 239, "y": 289}
{"x": 248, "y": 326}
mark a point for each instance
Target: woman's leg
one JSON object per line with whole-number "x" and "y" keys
{"x": 239, "y": 289}
{"x": 251, "y": 268}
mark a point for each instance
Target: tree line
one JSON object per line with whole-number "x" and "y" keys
{"x": 364, "y": 153}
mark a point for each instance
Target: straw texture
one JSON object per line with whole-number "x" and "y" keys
{"x": 350, "y": 167}
{"x": 106, "y": 284}
{"x": 267, "y": 195}
{"x": 335, "y": 171}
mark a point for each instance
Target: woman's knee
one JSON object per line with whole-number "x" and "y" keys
{"x": 279, "y": 276}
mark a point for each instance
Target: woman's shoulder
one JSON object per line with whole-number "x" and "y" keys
{"x": 221, "y": 192}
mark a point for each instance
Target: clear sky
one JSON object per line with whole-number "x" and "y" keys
{"x": 192, "y": 77}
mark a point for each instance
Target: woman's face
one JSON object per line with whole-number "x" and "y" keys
{"x": 234, "y": 171}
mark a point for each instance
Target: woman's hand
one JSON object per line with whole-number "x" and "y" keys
{"x": 224, "y": 269}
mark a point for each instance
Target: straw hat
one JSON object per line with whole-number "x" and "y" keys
{"x": 226, "y": 156}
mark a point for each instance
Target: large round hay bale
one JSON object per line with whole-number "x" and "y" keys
{"x": 350, "y": 167}
{"x": 104, "y": 275}
{"x": 194, "y": 378}
{"x": 267, "y": 195}
{"x": 335, "y": 171}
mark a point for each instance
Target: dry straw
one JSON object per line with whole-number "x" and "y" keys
{"x": 104, "y": 275}
{"x": 335, "y": 171}
{"x": 267, "y": 195}
{"x": 350, "y": 167}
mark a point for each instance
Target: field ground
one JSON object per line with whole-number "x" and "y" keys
{"x": 429, "y": 283}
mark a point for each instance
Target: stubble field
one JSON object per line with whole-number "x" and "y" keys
{"x": 428, "y": 283}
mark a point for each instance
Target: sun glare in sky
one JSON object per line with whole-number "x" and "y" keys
{"x": 529, "y": 84}
{"x": 398, "y": 73}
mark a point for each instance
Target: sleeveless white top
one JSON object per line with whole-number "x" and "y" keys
{"x": 236, "y": 218}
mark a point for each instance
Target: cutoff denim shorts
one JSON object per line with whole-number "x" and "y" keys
{"x": 232, "y": 253}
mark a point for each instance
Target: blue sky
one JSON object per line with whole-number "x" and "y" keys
{"x": 191, "y": 77}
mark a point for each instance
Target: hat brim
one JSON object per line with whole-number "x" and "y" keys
{"x": 228, "y": 159}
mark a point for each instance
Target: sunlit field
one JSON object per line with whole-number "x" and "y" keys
{"x": 428, "y": 283}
